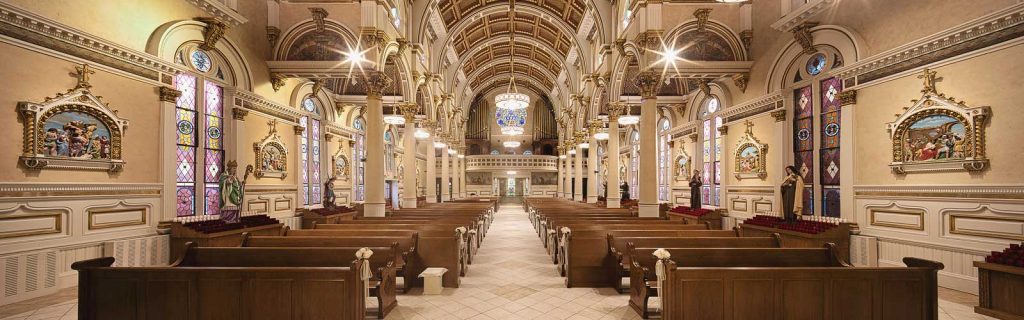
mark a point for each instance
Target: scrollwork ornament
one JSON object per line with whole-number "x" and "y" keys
{"x": 648, "y": 82}
{"x": 375, "y": 84}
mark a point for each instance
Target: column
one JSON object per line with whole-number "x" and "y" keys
{"x": 353, "y": 167}
{"x": 409, "y": 155}
{"x": 648, "y": 82}
{"x": 614, "y": 194}
{"x": 592, "y": 162}
{"x": 462, "y": 172}
{"x": 561, "y": 172}
{"x": 168, "y": 150}
{"x": 567, "y": 169}
{"x": 778, "y": 155}
{"x": 456, "y": 175}
{"x": 431, "y": 180}
{"x": 446, "y": 194}
{"x": 578, "y": 171}
{"x": 670, "y": 172}
{"x": 847, "y": 118}
{"x": 374, "y": 172}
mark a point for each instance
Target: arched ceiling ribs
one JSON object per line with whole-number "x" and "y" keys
{"x": 500, "y": 82}
{"x": 526, "y": 48}
{"x": 569, "y": 12}
{"x": 532, "y": 21}
{"x": 503, "y": 76}
{"x": 498, "y": 66}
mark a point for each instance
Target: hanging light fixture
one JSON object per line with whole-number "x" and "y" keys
{"x": 601, "y": 135}
{"x": 511, "y": 144}
{"x": 585, "y": 145}
{"x": 421, "y": 133}
{"x": 512, "y": 99}
{"x": 394, "y": 119}
{"x": 512, "y": 131}
{"x": 572, "y": 151}
{"x": 628, "y": 119}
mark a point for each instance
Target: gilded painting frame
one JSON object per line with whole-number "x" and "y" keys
{"x": 96, "y": 136}
{"x": 750, "y": 158}
{"x": 267, "y": 167}
{"x": 955, "y": 139}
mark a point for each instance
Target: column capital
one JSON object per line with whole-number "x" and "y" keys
{"x": 239, "y": 113}
{"x": 408, "y": 110}
{"x": 375, "y": 83}
{"x": 594, "y": 125}
{"x": 615, "y": 109}
{"x": 168, "y": 94}
{"x": 580, "y": 136}
{"x": 723, "y": 130}
{"x": 848, "y": 97}
{"x": 779, "y": 115}
{"x": 694, "y": 137}
{"x": 299, "y": 130}
{"x": 649, "y": 82}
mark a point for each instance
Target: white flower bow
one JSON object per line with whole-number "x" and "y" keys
{"x": 659, "y": 270}
{"x": 460, "y": 230}
{"x": 364, "y": 254}
{"x": 565, "y": 230}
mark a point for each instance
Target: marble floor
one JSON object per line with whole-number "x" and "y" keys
{"x": 511, "y": 278}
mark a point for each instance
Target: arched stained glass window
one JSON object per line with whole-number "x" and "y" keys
{"x": 390, "y": 167}
{"x": 359, "y": 155}
{"x": 816, "y": 143}
{"x": 510, "y": 120}
{"x": 199, "y": 113}
{"x": 634, "y": 170}
{"x": 663, "y": 160}
{"x": 711, "y": 152}
{"x": 309, "y": 153}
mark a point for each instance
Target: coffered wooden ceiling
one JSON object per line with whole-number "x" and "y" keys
{"x": 551, "y": 24}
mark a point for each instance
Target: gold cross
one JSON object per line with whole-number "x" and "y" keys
{"x": 929, "y": 80}
{"x": 82, "y": 73}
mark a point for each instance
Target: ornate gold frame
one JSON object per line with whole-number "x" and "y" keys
{"x": 934, "y": 103}
{"x": 272, "y": 140}
{"x": 746, "y": 141}
{"x": 77, "y": 99}
{"x": 689, "y": 165}
{"x": 341, "y": 176}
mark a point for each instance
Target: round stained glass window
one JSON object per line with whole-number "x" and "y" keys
{"x": 712, "y": 105}
{"x": 185, "y": 127}
{"x": 201, "y": 61}
{"x": 816, "y": 64}
{"x": 213, "y": 132}
{"x": 309, "y": 105}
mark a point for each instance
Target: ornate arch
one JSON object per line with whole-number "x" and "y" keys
{"x": 169, "y": 38}
{"x": 829, "y": 38}
{"x": 303, "y": 34}
{"x": 725, "y": 44}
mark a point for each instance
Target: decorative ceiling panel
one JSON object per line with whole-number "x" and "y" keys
{"x": 524, "y": 52}
{"x": 569, "y": 11}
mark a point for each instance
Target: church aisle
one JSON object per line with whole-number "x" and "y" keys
{"x": 512, "y": 278}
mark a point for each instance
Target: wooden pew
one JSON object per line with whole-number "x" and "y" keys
{"x": 587, "y": 256}
{"x": 619, "y": 244}
{"x": 597, "y": 231}
{"x": 852, "y": 293}
{"x": 465, "y": 245}
{"x": 382, "y": 262}
{"x": 429, "y": 252}
{"x": 295, "y": 293}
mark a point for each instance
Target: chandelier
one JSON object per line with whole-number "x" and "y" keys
{"x": 511, "y": 144}
{"x": 628, "y": 119}
{"x": 601, "y": 135}
{"x": 512, "y": 131}
{"x": 512, "y": 99}
{"x": 394, "y": 119}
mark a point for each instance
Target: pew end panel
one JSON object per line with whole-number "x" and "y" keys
{"x": 441, "y": 252}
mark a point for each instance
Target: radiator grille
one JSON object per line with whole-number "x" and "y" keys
{"x": 864, "y": 251}
{"x": 139, "y": 252}
{"x": 28, "y": 275}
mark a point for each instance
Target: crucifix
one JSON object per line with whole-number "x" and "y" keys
{"x": 929, "y": 80}
{"x": 82, "y": 73}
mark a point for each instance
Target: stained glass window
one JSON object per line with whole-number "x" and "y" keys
{"x": 711, "y": 154}
{"x": 201, "y": 61}
{"x": 510, "y": 118}
{"x": 817, "y": 135}
{"x": 390, "y": 167}
{"x": 816, "y": 64}
{"x": 198, "y": 162}
{"x": 309, "y": 153}
{"x": 359, "y": 156}
{"x": 634, "y": 171}
{"x": 829, "y": 153}
{"x": 663, "y": 160}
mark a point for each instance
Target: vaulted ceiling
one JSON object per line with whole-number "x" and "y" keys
{"x": 479, "y": 33}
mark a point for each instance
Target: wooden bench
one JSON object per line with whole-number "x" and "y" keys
{"x": 620, "y": 242}
{"x": 467, "y": 245}
{"x": 296, "y": 293}
{"x": 382, "y": 263}
{"x": 427, "y": 252}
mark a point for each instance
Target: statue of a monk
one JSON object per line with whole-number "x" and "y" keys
{"x": 232, "y": 192}
{"x": 329, "y": 194}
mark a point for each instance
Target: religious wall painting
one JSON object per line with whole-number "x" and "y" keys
{"x": 938, "y": 133}
{"x": 544, "y": 178}
{"x": 682, "y": 166}
{"x": 73, "y": 130}
{"x": 750, "y": 156}
{"x": 341, "y": 166}
{"x": 271, "y": 155}
{"x": 478, "y": 178}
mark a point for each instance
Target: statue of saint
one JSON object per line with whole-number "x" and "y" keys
{"x": 329, "y": 194}
{"x": 792, "y": 191}
{"x": 232, "y": 192}
{"x": 695, "y": 184}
